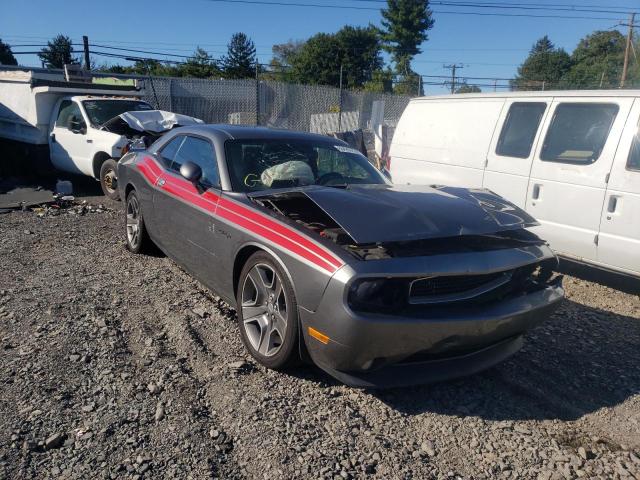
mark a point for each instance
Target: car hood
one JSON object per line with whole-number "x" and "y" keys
{"x": 386, "y": 213}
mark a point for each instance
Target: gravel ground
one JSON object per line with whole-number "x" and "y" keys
{"x": 121, "y": 366}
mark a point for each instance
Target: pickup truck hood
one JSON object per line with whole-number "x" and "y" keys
{"x": 147, "y": 121}
{"x": 386, "y": 213}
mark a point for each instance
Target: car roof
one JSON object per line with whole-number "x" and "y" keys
{"x": 532, "y": 94}
{"x": 223, "y": 132}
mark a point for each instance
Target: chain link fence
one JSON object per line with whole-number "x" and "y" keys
{"x": 313, "y": 108}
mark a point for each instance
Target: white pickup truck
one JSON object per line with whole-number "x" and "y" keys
{"x": 72, "y": 124}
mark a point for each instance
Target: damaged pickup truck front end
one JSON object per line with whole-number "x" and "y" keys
{"x": 443, "y": 283}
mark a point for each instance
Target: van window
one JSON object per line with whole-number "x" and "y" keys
{"x": 519, "y": 130}
{"x": 578, "y": 132}
{"x": 633, "y": 162}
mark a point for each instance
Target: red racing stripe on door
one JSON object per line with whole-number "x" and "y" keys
{"x": 242, "y": 216}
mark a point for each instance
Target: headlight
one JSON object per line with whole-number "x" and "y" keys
{"x": 378, "y": 294}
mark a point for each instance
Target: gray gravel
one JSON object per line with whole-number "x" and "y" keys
{"x": 122, "y": 366}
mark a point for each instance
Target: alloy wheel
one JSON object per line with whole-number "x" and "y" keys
{"x": 133, "y": 221}
{"x": 264, "y": 309}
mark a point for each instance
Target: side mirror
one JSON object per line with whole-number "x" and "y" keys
{"x": 76, "y": 125}
{"x": 191, "y": 172}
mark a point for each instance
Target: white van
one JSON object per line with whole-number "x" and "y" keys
{"x": 570, "y": 158}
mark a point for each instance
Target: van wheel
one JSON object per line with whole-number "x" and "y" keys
{"x": 109, "y": 179}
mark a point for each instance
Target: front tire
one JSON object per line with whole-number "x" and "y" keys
{"x": 267, "y": 312}
{"x": 109, "y": 179}
{"x": 137, "y": 237}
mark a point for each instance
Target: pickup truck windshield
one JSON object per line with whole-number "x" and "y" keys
{"x": 275, "y": 163}
{"x": 99, "y": 111}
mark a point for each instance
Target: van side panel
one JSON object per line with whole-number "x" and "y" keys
{"x": 444, "y": 141}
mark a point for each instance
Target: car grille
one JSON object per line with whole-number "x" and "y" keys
{"x": 455, "y": 288}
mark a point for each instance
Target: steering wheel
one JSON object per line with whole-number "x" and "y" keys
{"x": 328, "y": 177}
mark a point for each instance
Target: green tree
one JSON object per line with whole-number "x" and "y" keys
{"x": 405, "y": 25}
{"x": 200, "y": 65}
{"x": 58, "y": 52}
{"x": 545, "y": 64}
{"x": 240, "y": 60}
{"x": 6, "y": 55}
{"x": 356, "y": 49}
{"x": 597, "y": 61}
{"x": 466, "y": 88}
{"x": 381, "y": 82}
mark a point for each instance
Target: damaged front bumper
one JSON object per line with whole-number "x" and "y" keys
{"x": 426, "y": 343}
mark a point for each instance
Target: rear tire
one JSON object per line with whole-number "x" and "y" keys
{"x": 268, "y": 312}
{"x": 109, "y": 179}
{"x": 136, "y": 235}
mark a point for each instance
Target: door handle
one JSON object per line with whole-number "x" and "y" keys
{"x": 537, "y": 189}
{"x": 53, "y": 138}
{"x": 612, "y": 206}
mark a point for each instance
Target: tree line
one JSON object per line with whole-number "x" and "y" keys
{"x": 357, "y": 52}
{"x": 596, "y": 62}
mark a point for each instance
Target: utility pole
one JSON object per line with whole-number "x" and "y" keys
{"x": 627, "y": 50}
{"x": 85, "y": 43}
{"x": 453, "y": 69}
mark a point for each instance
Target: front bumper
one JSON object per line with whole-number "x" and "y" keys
{"x": 387, "y": 350}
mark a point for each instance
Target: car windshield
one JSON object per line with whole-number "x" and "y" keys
{"x": 276, "y": 163}
{"x": 99, "y": 111}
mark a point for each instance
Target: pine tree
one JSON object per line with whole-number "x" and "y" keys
{"x": 405, "y": 24}
{"x": 58, "y": 52}
{"x": 240, "y": 60}
{"x": 200, "y": 65}
{"x": 6, "y": 55}
{"x": 545, "y": 65}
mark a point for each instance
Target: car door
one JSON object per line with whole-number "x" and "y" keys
{"x": 186, "y": 211}
{"x": 68, "y": 145}
{"x": 619, "y": 237}
{"x": 511, "y": 153}
{"x": 568, "y": 177}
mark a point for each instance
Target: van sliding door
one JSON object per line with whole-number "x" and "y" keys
{"x": 512, "y": 148}
{"x": 619, "y": 237}
{"x": 568, "y": 177}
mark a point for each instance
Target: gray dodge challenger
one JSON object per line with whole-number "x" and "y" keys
{"x": 326, "y": 260}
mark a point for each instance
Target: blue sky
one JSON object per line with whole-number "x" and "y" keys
{"x": 487, "y": 46}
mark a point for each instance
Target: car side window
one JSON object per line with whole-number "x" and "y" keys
{"x": 168, "y": 152}
{"x": 519, "y": 129}
{"x": 200, "y": 152}
{"x": 68, "y": 110}
{"x": 633, "y": 161}
{"x": 578, "y": 132}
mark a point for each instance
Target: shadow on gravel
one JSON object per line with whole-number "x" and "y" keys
{"x": 582, "y": 360}
{"x": 617, "y": 281}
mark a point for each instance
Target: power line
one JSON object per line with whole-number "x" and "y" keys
{"x": 445, "y": 12}
{"x": 516, "y": 6}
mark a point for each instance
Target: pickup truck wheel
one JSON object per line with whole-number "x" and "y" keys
{"x": 267, "y": 312}
{"x": 109, "y": 179}
{"x": 138, "y": 239}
